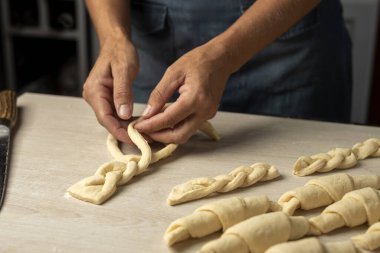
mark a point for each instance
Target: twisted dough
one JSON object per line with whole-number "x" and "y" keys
{"x": 98, "y": 188}
{"x": 312, "y": 245}
{"x": 258, "y": 233}
{"x": 324, "y": 191}
{"x": 213, "y": 217}
{"x": 242, "y": 176}
{"x": 370, "y": 240}
{"x": 338, "y": 158}
{"x": 355, "y": 208}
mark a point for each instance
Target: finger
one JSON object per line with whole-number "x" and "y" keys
{"x": 122, "y": 91}
{"x": 179, "y": 134}
{"x": 162, "y": 92}
{"x": 102, "y": 105}
{"x": 172, "y": 116}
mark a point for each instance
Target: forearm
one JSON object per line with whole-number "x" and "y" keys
{"x": 110, "y": 17}
{"x": 261, "y": 24}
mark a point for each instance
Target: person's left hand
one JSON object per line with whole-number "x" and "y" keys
{"x": 200, "y": 77}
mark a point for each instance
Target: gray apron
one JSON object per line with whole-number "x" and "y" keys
{"x": 305, "y": 73}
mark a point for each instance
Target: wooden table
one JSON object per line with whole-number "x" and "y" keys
{"x": 58, "y": 142}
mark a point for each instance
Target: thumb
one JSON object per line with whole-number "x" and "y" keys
{"x": 169, "y": 83}
{"x": 122, "y": 92}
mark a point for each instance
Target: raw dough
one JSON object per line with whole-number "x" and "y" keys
{"x": 313, "y": 245}
{"x": 370, "y": 240}
{"x": 338, "y": 158}
{"x": 218, "y": 215}
{"x": 98, "y": 188}
{"x": 324, "y": 191}
{"x": 242, "y": 176}
{"x": 258, "y": 233}
{"x": 355, "y": 208}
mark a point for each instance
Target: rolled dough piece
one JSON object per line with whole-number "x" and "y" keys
{"x": 242, "y": 176}
{"x": 313, "y": 245}
{"x": 218, "y": 215}
{"x": 338, "y": 158}
{"x": 370, "y": 240}
{"x": 324, "y": 191}
{"x": 355, "y": 208}
{"x": 258, "y": 233}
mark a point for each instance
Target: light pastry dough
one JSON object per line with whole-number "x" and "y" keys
{"x": 242, "y": 176}
{"x": 313, "y": 245}
{"x": 258, "y": 233}
{"x": 338, "y": 158}
{"x": 355, "y": 208}
{"x": 218, "y": 215}
{"x": 98, "y": 188}
{"x": 324, "y": 191}
{"x": 370, "y": 240}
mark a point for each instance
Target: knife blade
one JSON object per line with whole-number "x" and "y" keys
{"x": 7, "y": 120}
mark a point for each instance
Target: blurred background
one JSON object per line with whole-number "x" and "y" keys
{"x": 49, "y": 46}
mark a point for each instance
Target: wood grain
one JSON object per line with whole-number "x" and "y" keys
{"x": 58, "y": 142}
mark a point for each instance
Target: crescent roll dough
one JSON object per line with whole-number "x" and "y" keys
{"x": 313, "y": 245}
{"x": 370, "y": 240}
{"x": 242, "y": 176}
{"x": 355, "y": 208}
{"x": 258, "y": 233}
{"x": 338, "y": 158}
{"x": 218, "y": 215}
{"x": 324, "y": 191}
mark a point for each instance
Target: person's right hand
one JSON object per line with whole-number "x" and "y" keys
{"x": 108, "y": 88}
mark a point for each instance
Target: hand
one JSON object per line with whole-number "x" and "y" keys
{"x": 108, "y": 87}
{"x": 200, "y": 77}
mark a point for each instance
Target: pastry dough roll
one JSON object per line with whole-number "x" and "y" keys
{"x": 312, "y": 245}
{"x": 324, "y": 191}
{"x": 355, "y": 208}
{"x": 215, "y": 216}
{"x": 259, "y": 233}
{"x": 370, "y": 240}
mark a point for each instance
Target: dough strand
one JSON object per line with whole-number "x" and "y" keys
{"x": 313, "y": 245}
{"x": 218, "y": 215}
{"x": 323, "y": 191}
{"x": 370, "y": 240}
{"x": 258, "y": 233}
{"x": 355, "y": 208}
{"x": 338, "y": 158}
{"x": 242, "y": 176}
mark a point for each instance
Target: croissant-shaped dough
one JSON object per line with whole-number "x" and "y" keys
{"x": 324, "y": 191}
{"x": 338, "y": 158}
{"x": 313, "y": 245}
{"x": 370, "y": 240}
{"x": 258, "y": 233}
{"x": 213, "y": 217}
{"x": 355, "y": 208}
{"x": 242, "y": 176}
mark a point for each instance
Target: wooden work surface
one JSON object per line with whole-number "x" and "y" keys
{"x": 58, "y": 142}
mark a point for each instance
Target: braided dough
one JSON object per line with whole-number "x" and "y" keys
{"x": 338, "y": 158}
{"x": 355, "y": 208}
{"x": 213, "y": 217}
{"x": 258, "y": 233}
{"x": 242, "y": 176}
{"x": 312, "y": 245}
{"x": 324, "y": 191}
{"x": 98, "y": 188}
{"x": 370, "y": 240}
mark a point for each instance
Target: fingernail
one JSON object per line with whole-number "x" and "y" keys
{"x": 124, "y": 111}
{"x": 147, "y": 110}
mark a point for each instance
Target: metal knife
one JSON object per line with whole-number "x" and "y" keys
{"x": 7, "y": 120}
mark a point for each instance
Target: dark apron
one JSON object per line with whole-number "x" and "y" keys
{"x": 306, "y": 73}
